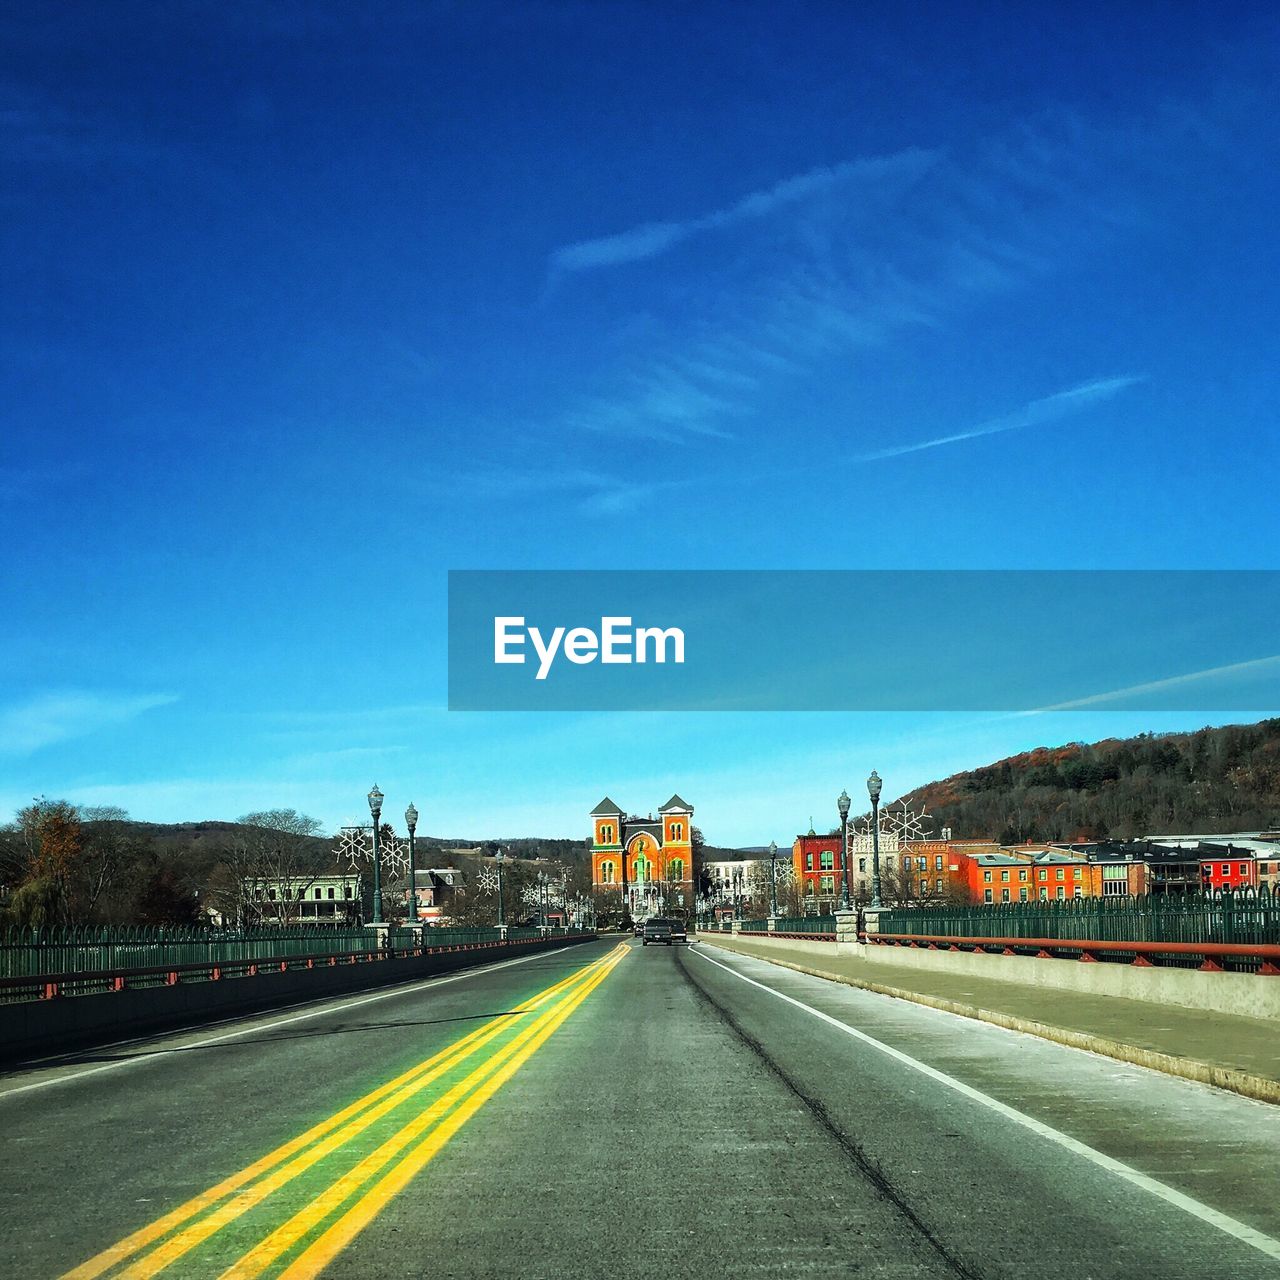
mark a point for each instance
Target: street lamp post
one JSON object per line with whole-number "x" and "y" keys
{"x": 375, "y": 808}
{"x": 411, "y": 821}
{"x": 773, "y": 877}
{"x": 843, "y": 805}
{"x": 499, "y": 858}
{"x": 873, "y": 790}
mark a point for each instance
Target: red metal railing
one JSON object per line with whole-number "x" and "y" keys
{"x": 48, "y": 986}
{"x": 1267, "y": 956}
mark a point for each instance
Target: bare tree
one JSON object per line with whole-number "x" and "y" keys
{"x": 279, "y": 857}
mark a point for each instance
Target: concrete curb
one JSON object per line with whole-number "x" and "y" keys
{"x": 1260, "y": 1088}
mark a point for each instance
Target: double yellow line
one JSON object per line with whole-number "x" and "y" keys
{"x": 379, "y": 1176}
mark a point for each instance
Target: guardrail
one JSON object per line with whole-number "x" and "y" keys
{"x": 52, "y": 985}
{"x": 1213, "y": 957}
{"x": 1244, "y": 916}
{"x": 813, "y": 928}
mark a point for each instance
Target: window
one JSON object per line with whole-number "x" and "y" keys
{"x": 346, "y": 891}
{"x": 828, "y": 884}
{"x": 986, "y": 895}
{"x": 1044, "y": 893}
{"x": 862, "y": 865}
{"x": 1077, "y": 892}
{"x": 1022, "y": 873}
{"x": 318, "y": 893}
{"x": 1062, "y": 875}
{"x": 1240, "y": 868}
{"x": 606, "y": 833}
{"x": 1004, "y": 895}
{"x": 826, "y": 860}
{"x": 677, "y": 830}
{"x": 808, "y": 861}
{"x": 1044, "y": 875}
{"x": 1022, "y": 895}
{"x": 606, "y": 871}
{"x": 924, "y": 887}
{"x": 938, "y": 884}
{"x": 888, "y": 864}
{"x": 675, "y": 869}
{"x": 330, "y": 895}
{"x": 1077, "y": 874}
{"x": 986, "y": 877}
{"x": 1062, "y": 892}
{"x": 1004, "y": 876}
{"x": 937, "y": 863}
{"x": 906, "y": 862}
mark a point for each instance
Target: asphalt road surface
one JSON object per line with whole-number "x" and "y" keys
{"x": 617, "y": 1111}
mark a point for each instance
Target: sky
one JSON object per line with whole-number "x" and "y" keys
{"x": 304, "y": 306}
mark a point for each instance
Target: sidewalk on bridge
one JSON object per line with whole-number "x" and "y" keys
{"x": 1225, "y": 1050}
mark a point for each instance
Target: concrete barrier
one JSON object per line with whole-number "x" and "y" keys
{"x": 64, "y": 1023}
{"x": 1246, "y": 995}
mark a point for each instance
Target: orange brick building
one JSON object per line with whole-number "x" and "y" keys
{"x": 649, "y": 861}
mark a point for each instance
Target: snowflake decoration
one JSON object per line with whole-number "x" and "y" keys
{"x": 897, "y": 826}
{"x": 786, "y": 872}
{"x": 354, "y": 846}
{"x": 487, "y": 880}
{"x": 395, "y": 856}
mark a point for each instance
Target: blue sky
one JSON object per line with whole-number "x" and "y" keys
{"x": 304, "y": 307}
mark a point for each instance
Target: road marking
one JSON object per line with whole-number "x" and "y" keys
{"x": 328, "y": 1007}
{"x": 463, "y": 1101}
{"x": 312, "y": 1261}
{"x": 404, "y": 1085}
{"x": 1188, "y": 1204}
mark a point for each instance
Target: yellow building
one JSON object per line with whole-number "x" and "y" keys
{"x": 649, "y": 861}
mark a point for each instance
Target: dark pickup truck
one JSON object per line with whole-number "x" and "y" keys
{"x": 656, "y": 929}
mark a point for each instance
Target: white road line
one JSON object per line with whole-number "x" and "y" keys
{"x": 327, "y": 1007}
{"x": 1188, "y": 1204}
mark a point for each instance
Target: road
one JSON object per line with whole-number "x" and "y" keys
{"x": 618, "y": 1111}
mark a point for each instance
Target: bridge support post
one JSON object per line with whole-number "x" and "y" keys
{"x": 846, "y": 930}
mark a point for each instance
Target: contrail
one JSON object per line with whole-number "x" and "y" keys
{"x": 1048, "y": 409}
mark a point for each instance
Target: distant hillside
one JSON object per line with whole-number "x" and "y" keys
{"x": 1212, "y": 780}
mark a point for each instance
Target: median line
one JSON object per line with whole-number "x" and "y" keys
{"x": 441, "y": 1119}
{"x": 322, "y": 1139}
{"x": 341, "y": 1233}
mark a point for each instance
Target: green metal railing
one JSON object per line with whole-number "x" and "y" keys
{"x": 1249, "y": 916}
{"x": 29, "y": 953}
{"x": 805, "y": 924}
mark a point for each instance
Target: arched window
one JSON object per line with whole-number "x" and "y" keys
{"x": 675, "y": 869}
{"x": 606, "y": 834}
{"x": 677, "y": 830}
{"x": 606, "y": 872}
{"x": 640, "y": 869}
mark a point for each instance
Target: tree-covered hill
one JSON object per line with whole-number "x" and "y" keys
{"x": 1209, "y": 781}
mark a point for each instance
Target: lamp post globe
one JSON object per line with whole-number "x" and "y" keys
{"x": 375, "y": 808}
{"x": 874, "y": 784}
{"x": 842, "y": 804}
{"x": 411, "y": 821}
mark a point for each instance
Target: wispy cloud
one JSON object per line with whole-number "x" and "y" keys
{"x": 653, "y": 238}
{"x": 56, "y": 717}
{"x": 842, "y": 266}
{"x": 1232, "y": 671}
{"x": 597, "y": 492}
{"x": 1061, "y": 404}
